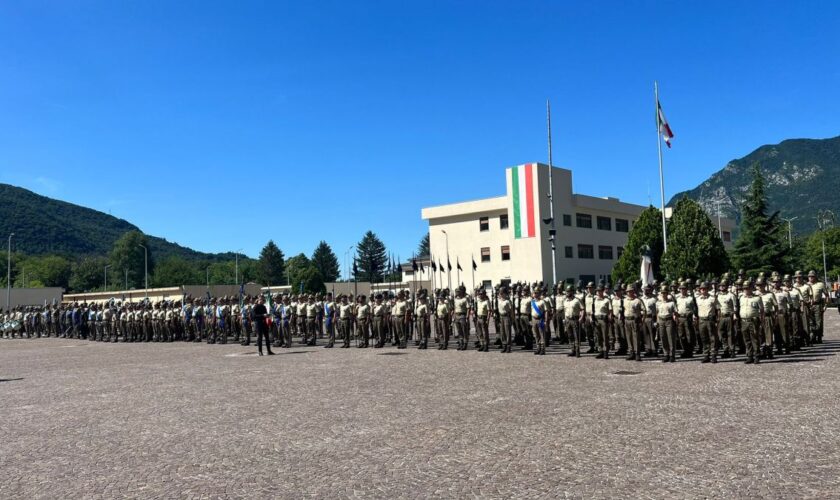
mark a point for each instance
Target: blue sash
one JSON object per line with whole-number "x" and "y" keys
{"x": 539, "y": 312}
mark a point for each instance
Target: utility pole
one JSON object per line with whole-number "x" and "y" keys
{"x": 9, "y": 276}
{"x": 146, "y": 260}
{"x": 448, "y": 270}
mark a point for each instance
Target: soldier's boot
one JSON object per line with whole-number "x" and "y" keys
{"x": 714, "y": 357}
{"x": 630, "y": 357}
{"x": 600, "y": 355}
{"x": 666, "y": 359}
{"x": 638, "y": 356}
{"x": 606, "y": 354}
{"x": 247, "y": 339}
{"x": 706, "y": 359}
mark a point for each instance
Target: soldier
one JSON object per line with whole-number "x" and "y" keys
{"x": 649, "y": 324}
{"x": 379, "y": 318}
{"x": 795, "y": 327}
{"x": 666, "y": 318}
{"x": 345, "y": 318}
{"x": 258, "y": 313}
{"x": 601, "y": 317}
{"x": 524, "y": 316}
{"x": 423, "y": 325}
{"x": 462, "y": 326}
{"x": 574, "y": 314}
{"x": 806, "y": 295}
{"x": 751, "y": 314}
{"x": 726, "y": 310}
{"x": 770, "y": 307}
{"x": 589, "y": 305}
{"x": 505, "y": 313}
{"x": 313, "y": 311}
{"x": 363, "y": 312}
{"x": 444, "y": 321}
{"x": 685, "y": 327}
{"x": 782, "y": 332}
{"x": 819, "y": 302}
{"x": 557, "y": 313}
{"x": 634, "y": 311}
{"x": 402, "y": 320}
{"x": 539, "y": 310}
{"x": 287, "y": 312}
{"x": 482, "y": 320}
{"x": 617, "y": 332}
{"x": 707, "y": 313}
{"x": 329, "y": 320}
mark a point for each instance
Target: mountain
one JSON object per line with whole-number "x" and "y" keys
{"x": 44, "y": 225}
{"x": 802, "y": 175}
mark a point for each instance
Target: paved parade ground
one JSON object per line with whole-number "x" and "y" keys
{"x": 93, "y": 420}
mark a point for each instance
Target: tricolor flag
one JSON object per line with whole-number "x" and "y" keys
{"x": 524, "y": 203}
{"x": 664, "y": 128}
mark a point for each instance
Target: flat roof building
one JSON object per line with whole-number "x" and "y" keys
{"x": 510, "y": 241}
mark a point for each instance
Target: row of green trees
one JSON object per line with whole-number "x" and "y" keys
{"x": 695, "y": 249}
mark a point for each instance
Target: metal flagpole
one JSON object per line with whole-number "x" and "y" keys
{"x": 472, "y": 270}
{"x": 551, "y": 232}
{"x": 661, "y": 177}
{"x": 457, "y": 271}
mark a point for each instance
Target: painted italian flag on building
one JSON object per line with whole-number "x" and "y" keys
{"x": 522, "y": 182}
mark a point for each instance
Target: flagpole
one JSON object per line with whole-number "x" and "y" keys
{"x": 661, "y": 177}
{"x": 457, "y": 271}
{"x": 472, "y": 267}
{"x": 552, "y": 232}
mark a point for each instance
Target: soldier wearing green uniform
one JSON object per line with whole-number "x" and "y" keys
{"x": 707, "y": 315}
{"x": 574, "y": 314}
{"x": 634, "y": 311}
{"x": 504, "y": 310}
{"x": 819, "y": 302}
{"x": 482, "y": 320}
{"x": 666, "y": 317}
{"x": 601, "y": 316}
{"x": 751, "y": 313}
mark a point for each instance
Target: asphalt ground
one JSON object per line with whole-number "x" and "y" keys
{"x": 84, "y": 419}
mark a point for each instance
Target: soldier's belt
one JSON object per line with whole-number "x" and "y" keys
{"x": 601, "y": 316}
{"x": 664, "y": 318}
{"x": 707, "y": 318}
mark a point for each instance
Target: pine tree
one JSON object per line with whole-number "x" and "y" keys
{"x": 271, "y": 265}
{"x": 646, "y": 231}
{"x": 695, "y": 249}
{"x": 761, "y": 245}
{"x": 423, "y": 249}
{"x": 325, "y": 260}
{"x": 371, "y": 259}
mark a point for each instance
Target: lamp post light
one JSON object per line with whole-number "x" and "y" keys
{"x": 790, "y": 230}
{"x": 236, "y": 277}
{"x": 825, "y": 220}
{"x": 106, "y": 276}
{"x": 146, "y": 266}
{"x": 346, "y": 266}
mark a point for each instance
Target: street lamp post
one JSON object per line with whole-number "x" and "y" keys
{"x": 790, "y": 230}
{"x": 146, "y": 266}
{"x": 106, "y": 276}
{"x": 346, "y": 266}
{"x": 825, "y": 220}
{"x": 126, "y": 278}
{"x": 9, "y": 276}
{"x": 236, "y": 272}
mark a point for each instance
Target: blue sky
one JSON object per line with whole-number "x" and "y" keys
{"x": 221, "y": 125}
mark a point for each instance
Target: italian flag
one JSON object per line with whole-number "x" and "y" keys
{"x": 522, "y": 182}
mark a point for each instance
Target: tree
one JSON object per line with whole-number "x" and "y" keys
{"x": 695, "y": 249}
{"x": 646, "y": 231}
{"x": 127, "y": 254}
{"x": 761, "y": 245}
{"x": 88, "y": 274}
{"x": 371, "y": 259}
{"x": 45, "y": 270}
{"x": 271, "y": 265}
{"x": 812, "y": 258}
{"x": 423, "y": 249}
{"x": 326, "y": 262}
{"x": 176, "y": 271}
{"x": 304, "y": 274}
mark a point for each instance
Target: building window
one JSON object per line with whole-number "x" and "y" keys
{"x": 569, "y": 252}
{"x": 505, "y": 252}
{"x": 584, "y": 220}
{"x": 484, "y": 224}
{"x": 587, "y": 278}
{"x": 619, "y": 251}
{"x": 586, "y": 252}
{"x": 727, "y": 236}
{"x": 605, "y": 253}
{"x": 567, "y": 220}
{"x": 487, "y": 284}
{"x": 485, "y": 254}
{"x": 622, "y": 225}
{"x": 604, "y": 223}
{"x": 503, "y": 221}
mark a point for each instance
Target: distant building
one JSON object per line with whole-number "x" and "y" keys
{"x": 510, "y": 241}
